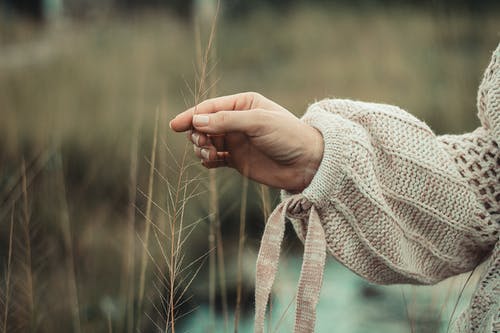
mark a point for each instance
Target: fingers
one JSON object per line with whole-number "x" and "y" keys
{"x": 210, "y": 155}
{"x": 211, "y": 159}
{"x": 205, "y": 153}
{"x": 237, "y": 102}
{"x": 213, "y": 164}
{"x": 228, "y": 121}
{"x": 199, "y": 139}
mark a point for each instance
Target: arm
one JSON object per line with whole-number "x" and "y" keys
{"x": 377, "y": 188}
{"x": 394, "y": 201}
{"x": 395, "y": 205}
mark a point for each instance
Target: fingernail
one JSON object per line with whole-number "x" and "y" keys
{"x": 205, "y": 154}
{"x": 195, "y": 148}
{"x": 196, "y": 138}
{"x": 170, "y": 124}
{"x": 200, "y": 120}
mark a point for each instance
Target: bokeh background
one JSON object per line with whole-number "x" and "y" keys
{"x": 92, "y": 196}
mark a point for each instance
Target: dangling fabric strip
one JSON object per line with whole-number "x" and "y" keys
{"x": 267, "y": 263}
{"x": 311, "y": 275}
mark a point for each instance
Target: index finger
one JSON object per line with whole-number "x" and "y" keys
{"x": 237, "y": 102}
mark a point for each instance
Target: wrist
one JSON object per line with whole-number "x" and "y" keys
{"x": 306, "y": 168}
{"x": 315, "y": 150}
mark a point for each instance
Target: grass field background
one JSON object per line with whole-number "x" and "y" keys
{"x": 77, "y": 116}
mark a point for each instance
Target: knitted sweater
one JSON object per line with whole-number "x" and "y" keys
{"x": 396, "y": 204}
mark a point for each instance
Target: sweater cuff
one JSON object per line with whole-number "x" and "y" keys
{"x": 331, "y": 172}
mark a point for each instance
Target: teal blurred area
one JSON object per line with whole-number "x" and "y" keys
{"x": 80, "y": 85}
{"x": 350, "y": 304}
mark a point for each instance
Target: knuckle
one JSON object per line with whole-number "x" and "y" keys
{"x": 253, "y": 97}
{"x": 249, "y": 98}
{"x": 222, "y": 119}
{"x": 211, "y": 105}
{"x": 253, "y": 94}
{"x": 206, "y": 104}
{"x": 261, "y": 118}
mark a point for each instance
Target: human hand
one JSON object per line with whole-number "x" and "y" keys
{"x": 257, "y": 137}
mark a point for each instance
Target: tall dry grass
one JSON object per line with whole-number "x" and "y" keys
{"x": 69, "y": 249}
{"x": 113, "y": 237}
{"x": 6, "y": 295}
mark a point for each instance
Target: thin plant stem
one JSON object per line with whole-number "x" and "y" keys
{"x": 211, "y": 276}
{"x": 220, "y": 248}
{"x": 27, "y": 244}
{"x": 173, "y": 253}
{"x": 68, "y": 244}
{"x": 241, "y": 245}
{"x": 283, "y": 315}
{"x": 144, "y": 260}
{"x": 266, "y": 211}
{"x": 211, "y": 90}
{"x": 15, "y": 191}
{"x": 264, "y": 196}
{"x": 214, "y": 235}
{"x": 458, "y": 299}
{"x": 446, "y": 298}
{"x": 409, "y": 318}
{"x": 9, "y": 270}
{"x": 110, "y": 324}
{"x": 129, "y": 259}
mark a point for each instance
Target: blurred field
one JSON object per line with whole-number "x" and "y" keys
{"x": 77, "y": 108}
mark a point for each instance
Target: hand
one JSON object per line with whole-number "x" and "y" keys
{"x": 256, "y": 136}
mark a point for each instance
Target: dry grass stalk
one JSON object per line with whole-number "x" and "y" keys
{"x": 221, "y": 266}
{"x": 27, "y": 266}
{"x": 14, "y": 192}
{"x": 469, "y": 276}
{"x": 110, "y": 324}
{"x": 128, "y": 270}
{"x": 173, "y": 258}
{"x": 212, "y": 262}
{"x": 170, "y": 239}
{"x": 216, "y": 259}
{"x": 212, "y": 258}
{"x": 19, "y": 312}
{"x": 241, "y": 245}
{"x": 68, "y": 245}
{"x": 281, "y": 320}
{"x": 144, "y": 259}
{"x": 411, "y": 322}
{"x": 448, "y": 294}
{"x": 265, "y": 202}
{"x": 9, "y": 271}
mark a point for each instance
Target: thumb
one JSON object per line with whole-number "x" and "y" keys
{"x": 229, "y": 121}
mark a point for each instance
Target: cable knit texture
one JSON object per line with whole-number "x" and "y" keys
{"x": 399, "y": 204}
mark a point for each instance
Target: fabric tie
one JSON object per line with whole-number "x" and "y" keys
{"x": 311, "y": 274}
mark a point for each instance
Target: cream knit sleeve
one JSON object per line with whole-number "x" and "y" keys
{"x": 397, "y": 203}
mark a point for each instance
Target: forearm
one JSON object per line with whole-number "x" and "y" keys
{"x": 392, "y": 200}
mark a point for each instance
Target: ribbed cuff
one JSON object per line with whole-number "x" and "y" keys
{"x": 331, "y": 172}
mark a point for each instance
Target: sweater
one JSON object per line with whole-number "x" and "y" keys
{"x": 395, "y": 204}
